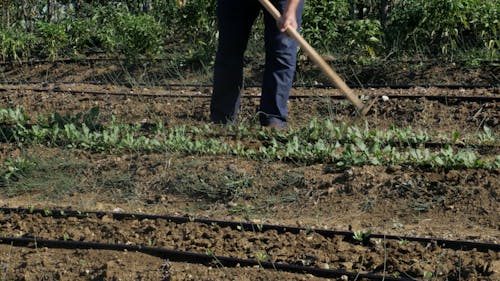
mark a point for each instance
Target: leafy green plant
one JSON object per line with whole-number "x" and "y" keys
{"x": 321, "y": 25}
{"x": 90, "y": 119}
{"x": 15, "y": 44}
{"x": 363, "y": 36}
{"x": 53, "y": 39}
{"x": 12, "y": 116}
{"x": 363, "y": 237}
{"x": 82, "y": 35}
{"x": 443, "y": 27}
{"x": 131, "y": 35}
{"x": 487, "y": 136}
{"x": 341, "y": 145}
{"x": 14, "y": 169}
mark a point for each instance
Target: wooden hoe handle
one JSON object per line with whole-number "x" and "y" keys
{"x": 320, "y": 62}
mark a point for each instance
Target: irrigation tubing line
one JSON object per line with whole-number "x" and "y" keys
{"x": 332, "y": 61}
{"x": 296, "y": 85}
{"x": 447, "y": 98}
{"x": 191, "y": 257}
{"x": 245, "y": 226}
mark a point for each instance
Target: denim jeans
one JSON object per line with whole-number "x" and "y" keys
{"x": 235, "y": 20}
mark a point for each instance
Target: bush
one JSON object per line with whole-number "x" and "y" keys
{"x": 198, "y": 26}
{"x": 138, "y": 35}
{"x": 443, "y": 26}
{"x": 53, "y": 39}
{"x": 321, "y": 20}
{"x": 127, "y": 34}
{"x": 15, "y": 44}
{"x": 356, "y": 29}
{"x": 331, "y": 27}
{"x": 82, "y": 34}
{"x": 362, "y": 37}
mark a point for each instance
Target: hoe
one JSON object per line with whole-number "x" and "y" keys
{"x": 361, "y": 107}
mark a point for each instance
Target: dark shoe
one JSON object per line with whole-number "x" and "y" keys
{"x": 271, "y": 122}
{"x": 276, "y": 125}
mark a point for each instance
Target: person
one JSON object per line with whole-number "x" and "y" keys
{"x": 235, "y": 20}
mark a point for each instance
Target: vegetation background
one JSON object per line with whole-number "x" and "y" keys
{"x": 183, "y": 33}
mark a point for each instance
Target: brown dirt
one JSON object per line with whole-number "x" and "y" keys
{"x": 304, "y": 248}
{"x": 50, "y": 264}
{"x": 452, "y": 204}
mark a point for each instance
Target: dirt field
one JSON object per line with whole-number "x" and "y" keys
{"x": 398, "y": 199}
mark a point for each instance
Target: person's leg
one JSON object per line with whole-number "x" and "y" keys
{"x": 235, "y": 20}
{"x": 281, "y": 57}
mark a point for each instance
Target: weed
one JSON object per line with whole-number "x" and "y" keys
{"x": 226, "y": 187}
{"x": 261, "y": 257}
{"x": 119, "y": 185}
{"x": 367, "y": 205}
{"x": 403, "y": 242}
{"x": 290, "y": 180}
{"x": 15, "y": 169}
{"x": 46, "y": 175}
{"x": 362, "y": 237}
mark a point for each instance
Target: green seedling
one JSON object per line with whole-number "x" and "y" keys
{"x": 362, "y": 237}
{"x": 343, "y": 146}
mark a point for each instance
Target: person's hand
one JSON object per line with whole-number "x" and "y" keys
{"x": 288, "y": 20}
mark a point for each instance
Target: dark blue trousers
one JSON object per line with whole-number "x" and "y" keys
{"x": 235, "y": 20}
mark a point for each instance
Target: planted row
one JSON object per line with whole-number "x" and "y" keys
{"x": 305, "y": 146}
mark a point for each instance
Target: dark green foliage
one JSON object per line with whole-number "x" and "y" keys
{"x": 198, "y": 25}
{"x": 363, "y": 37}
{"x": 351, "y": 29}
{"x": 321, "y": 22}
{"x": 133, "y": 35}
{"x": 82, "y": 35}
{"x": 447, "y": 26}
{"x": 15, "y": 44}
{"x": 53, "y": 38}
{"x": 90, "y": 119}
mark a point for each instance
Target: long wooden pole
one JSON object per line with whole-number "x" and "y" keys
{"x": 320, "y": 62}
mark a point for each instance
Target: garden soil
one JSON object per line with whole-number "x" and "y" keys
{"x": 400, "y": 200}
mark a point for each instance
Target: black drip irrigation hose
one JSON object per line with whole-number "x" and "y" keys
{"x": 197, "y": 258}
{"x": 331, "y": 61}
{"x": 248, "y": 86}
{"x": 470, "y": 98}
{"x": 244, "y": 226}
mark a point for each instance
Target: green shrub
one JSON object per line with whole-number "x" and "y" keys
{"x": 362, "y": 37}
{"x": 321, "y": 20}
{"x": 485, "y": 25}
{"x": 15, "y": 44}
{"x": 198, "y": 27}
{"x": 53, "y": 39}
{"x": 443, "y": 26}
{"x": 82, "y": 34}
{"x": 356, "y": 29}
{"x": 127, "y": 34}
{"x": 331, "y": 27}
{"x": 138, "y": 35}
